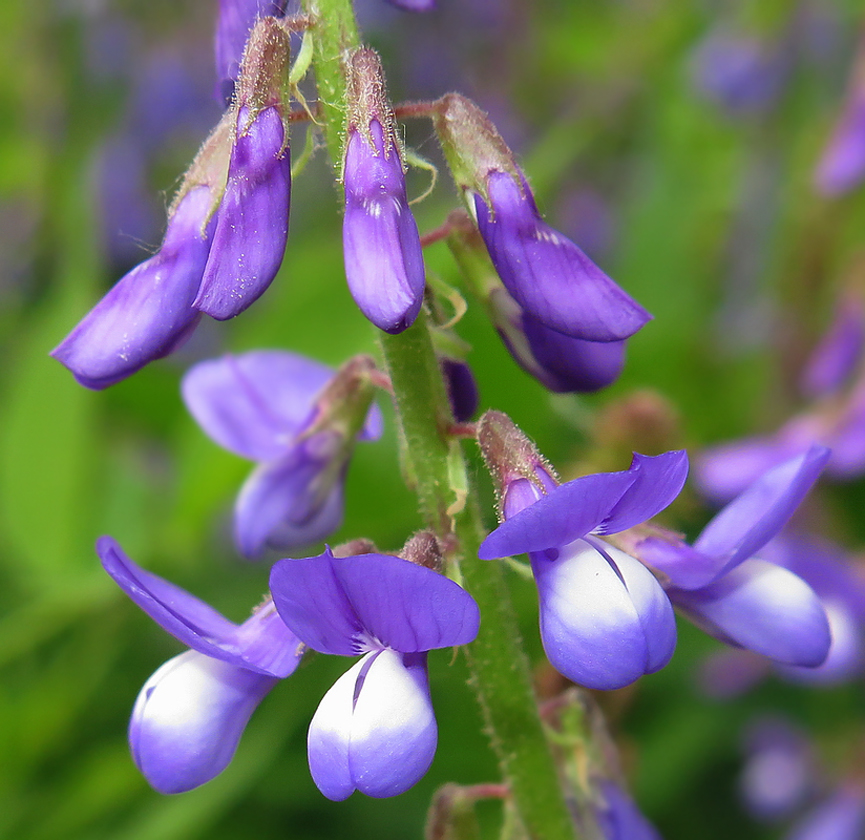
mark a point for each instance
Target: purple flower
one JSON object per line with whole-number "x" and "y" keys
{"x": 375, "y": 730}
{"x": 252, "y": 221}
{"x": 734, "y": 595}
{"x": 605, "y": 620}
{"x": 462, "y": 389}
{"x": 561, "y": 363}
{"x": 548, "y": 275}
{"x": 841, "y": 817}
{"x": 225, "y": 237}
{"x": 414, "y": 5}
{"x": 149, "y": 312}
{"x": 619, "y": 818}
{"x": 299, "y": 421}
{"x": 842, "y": 165}
{"x": 234, "y": 23}
{"x": 190, "y": 715}
{"x": 381, "y": 245}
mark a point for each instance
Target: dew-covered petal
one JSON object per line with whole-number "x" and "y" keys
{"x": 764, "y": 608}
{"x": 149, "y": 312}
{"x": 565, "y": 514}
{"x": 548, "y": 275}
{"x": 381, "y": 245}
{"x": 340, "y": 604}
{"x": 253, "y": 404}
{"x": 252, "y": 224}
{"x": 294, "y": 501}
{"x": 189, "y": 717}
{"x": 605, "y": 621}
{"x": 262, "y": 643}
{"x": 658, "y": 480}
{"x": 757, "y": 514}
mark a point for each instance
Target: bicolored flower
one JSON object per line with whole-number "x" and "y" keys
{"x": 381, "y": 244}
{"x": 191, "y": 713}
{"x": 375, "y": 730}
{"x": 605, "y": 620}
{"x": 548, "y": 275}
{"x": 225, "y": 238}
{"x": 299, "y": 420}
{"x": 723, "y": 585}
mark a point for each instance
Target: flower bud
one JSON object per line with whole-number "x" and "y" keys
{"x": 383, "y": 259}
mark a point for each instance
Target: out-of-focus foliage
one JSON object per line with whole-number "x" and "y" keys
{"x": 704, "y": 212}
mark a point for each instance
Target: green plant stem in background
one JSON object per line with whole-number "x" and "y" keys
{"x": 501, "y": 675}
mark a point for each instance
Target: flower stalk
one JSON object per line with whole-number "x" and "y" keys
{"x": 500, "y": 668}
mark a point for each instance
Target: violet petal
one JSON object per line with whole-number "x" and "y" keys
{"x": 294, "y": 501}
{"x": 568, "y": 512}
{"x": 149, "y": 311}
{"x": 756, "y": 515}
{"x": 620, "y": 819}
{"x": 254, "y": 403}
{"x": 252, "y": 224}
{"x": 658, "y": 480}
{"x": 261, "y": 644}
{"x": 764, "y": 608}
{"x": 548, "y": 275}
{"x": 381, "y": 245}
{"x": 345, "y": 605}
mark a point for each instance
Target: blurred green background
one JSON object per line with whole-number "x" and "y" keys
{"x": 703, "y": 210}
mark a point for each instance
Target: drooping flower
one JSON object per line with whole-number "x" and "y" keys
{"x": 723, "y": 585}
{"x": 375, "y": 730}
{"x": 605, "y": 620}
{"x": 381, "y": 245}
{"x": 225, "y": 237}
{"x": 299, "y": 420}
{"x": 547, "y": 274}
{"x": 191, "y": 713}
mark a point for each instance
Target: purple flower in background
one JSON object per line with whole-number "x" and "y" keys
{"x": 561, "y": 363}
{"x": 252, "y": 221}
{"x": 734, "y": 595}
{"x": 740, "y": 72}
{"x": 619, "y": 818}
{"x": 841, "y": 167}
{"x": 375, "y": 730}
{"x": 191, "y": 713}
{"x": 414, "y": 5}
{"x": 234, "y": 23}
{"x": 299, "y": 420}
{"x": 549, "y": 276}
{"x": 841, "y": 817}
{"x": 605, "y": 620}
{"x": 779, "y": 771}
{"x": 381, "y": 245}
{"x": 836, "y": 419}
{"x": 149, "y": 312}
{"x": 225, "y": 237}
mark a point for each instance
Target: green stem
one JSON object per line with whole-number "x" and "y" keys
{"x": 500, "y": 670}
